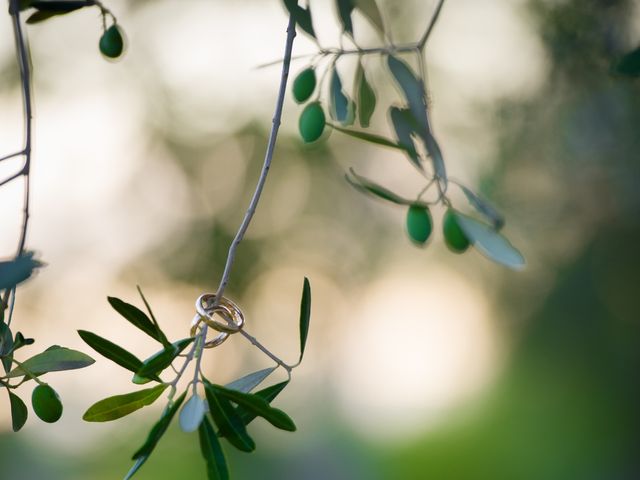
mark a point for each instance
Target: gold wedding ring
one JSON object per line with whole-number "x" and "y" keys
{"x": 207, "y": 312}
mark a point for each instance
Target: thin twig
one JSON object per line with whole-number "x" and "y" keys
{"x": 264, "y": 350}
{"x": 432, "y": 23}
{"x": 11, "y": 155}
{"x": 291, "y": 33}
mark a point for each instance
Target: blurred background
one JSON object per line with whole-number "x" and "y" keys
{"x": 421, "y": 364}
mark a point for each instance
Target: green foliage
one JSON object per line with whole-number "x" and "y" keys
{"x": 305, "y": 315}
{"x": 111, "y": 351}
{"x": 19, "y": 412}
{"x": 366, "y": 97}
{"x": 46, "y": 403}
{"x": 18, "y": 270}
{"x": 250, "y": 381}
{"x": 192, "y": 414}
{"x": 302, "y": 16}
{"x": 138, "y": 318}
{"x": 212, "y": 452}
{"x": 53, "y": 359}
{"x": 119, "y": 406}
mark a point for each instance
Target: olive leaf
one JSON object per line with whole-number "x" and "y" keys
{"x": 212, "y": 452}
{"x": 365, "y": 95}
{"x": 368, "y": 137}
{"x": 250, "y": 381}
{"x": 484, "y": 207}
{"x": 139, "y": 319}
{"x": 345, "y": 7}
{"x": 339, "y": 102}
{"x": 302, "y": 16}
{"x": 365, "y": 185}
{"x": 162, "y": 359}
{"x": 268, "y": 394}
{"x": 192, "y": 414}
{"x": 305, "y": 315}
{"x": 53, "y": 359}
{"x": 18, "y": 270}
{"x": 19, "y": 412}
{"x": 490, "y": 243}
{"x": 111, "y": 351}
{"x": 118, "y": 406}
{"x": 228, "y": 420}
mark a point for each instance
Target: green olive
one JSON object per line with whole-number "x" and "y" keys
{"x": 419, "y": 224}
{"x": 304, "y": 85}
{"x": 312, "y": 122}
{"x": 111, "y": 43}
{"x": 454, "y": 237}
{"x": 46, "y": 403}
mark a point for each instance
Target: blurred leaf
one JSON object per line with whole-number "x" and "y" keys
{"x": 404, "y": 126}
{"x": 17, "y": 270}
{"x": 20, "y": 341}
{"x": 339, "y": 104}
{"x": 413, "y": 90}
{"x": 62, "y": 6}
{"x": 484, "y": 207}
{"x": 490, "y": 243}
{"x": 228, "y": 421}
{"x": 302, "y": 16}
{"x": 119, "y": 406}
{"x": 368, "y": 186}
{"x": 369, "y": 9}
{"x": 111, "y": 351}
{"x": 42, "y": 15}
{"x": 19, "y": 412}
{"x": 6, "y": 339}
{"x": 629, "y": 64}
{"x": 161, "y": 360}
{"x": 192, "y": 414}
{"x": 251, "y": 381}
{"x": 365, "y": 95}
{"x": 268, "y": 394}
{"x": 138, "y": 318}
{"x": 156, "y": 433}
{"x": 212, "y": 452}
{"x": 345, "y": 7}
{"x": 368, "y": 137}
{"x": 258, "y": 406}
{"x": 305, "y": 315}
{"x": 53, "y": 359}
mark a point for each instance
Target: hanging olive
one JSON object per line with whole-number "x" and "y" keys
{"x": 454, "y": 236}
{"x": 312, "y": 122}
{"x": 419, "y": 224}
{"x": 46, "y": 403}
{"x": 304, "y": 85}
{"x": 112, "y": 43}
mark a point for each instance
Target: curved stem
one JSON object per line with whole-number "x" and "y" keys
{"x": 432, "y": 23}
{"x": 291, "y": 33}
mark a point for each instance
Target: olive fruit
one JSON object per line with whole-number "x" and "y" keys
{"x": 46, "y": 403}
{"x": 312, "y": 122}
{"x": 111, "y": 42}
{"x": 454, "y": 236}
{"x": 419, "y": 224}
{"x": 304, "y": 85}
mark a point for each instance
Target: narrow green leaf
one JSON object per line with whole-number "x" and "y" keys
{"x": 484, "y": 207}
{"x": 258, "y": 406}
{"x": 41, "y": 16}
{"x": 19, "y": 412}
{"x": 268, "y": 394}
{"x": 136, "y": 466}
{"x": 370, "y": 9}
{"x": 53, "y": 359}
{"x": 62, "y": 6}
{"x": 490, "y": 242}
{"x": 18, "y": 270}
{"x": 379, "y": 191}
{"x": 251, "y": 381}
{"x": 192, "y": 414}
{"x": 302, "y": 16}
{"x": 228, "y": 421}
{"x": 138, "y": 318}
{"x": 405, "y": 126}
{"x": 158, "y": 430}
{"x": 339, "y": 104}
{"x": 163, "y": 339}
{"x": 162, "y": 359}
{"x": 119, "y": 406}
{"x": 20, "y": 341}
{"x": 305, "y": 315}
{"x": 212, "y": 452}
{"x": 6, "y": 339}
{"x": 345, "y": 7}
{"x": 111, "y": 351}
{"x": 413, "y": 90}
{"x": 365, "y": 95}
{"x": 368, "y": 137}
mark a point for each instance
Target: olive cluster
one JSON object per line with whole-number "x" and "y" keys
{"x": 420, "y": 225}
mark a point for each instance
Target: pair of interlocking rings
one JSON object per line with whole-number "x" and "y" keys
{"x": 207, "y": 308}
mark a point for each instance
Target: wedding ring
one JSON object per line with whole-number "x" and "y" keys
{"x": 229, "y": 311}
